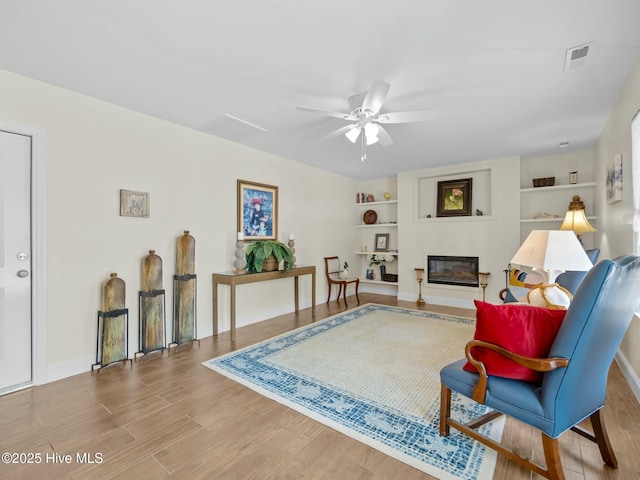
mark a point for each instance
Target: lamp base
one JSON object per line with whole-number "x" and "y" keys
{"x": 550, "y": 296}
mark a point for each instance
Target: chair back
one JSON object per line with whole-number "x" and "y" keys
{"x": 571, "y": 279}
{"x": 332, "y": 267}
{"x": 591, "y": 332}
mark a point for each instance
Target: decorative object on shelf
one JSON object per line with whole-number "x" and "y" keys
{"x": 544, "y": 182}
{"x": 370, "y": 217}
{"x": 257, "y": 210}
{"x": 371, "y": 275}
{"x": 365, "y": 198}
{"x": 454, "y": 198}
{"x": 113, "y": 324}
{"x": 483, "y": 278}
{"x": 614, "y": 179}
{"x": 134, "y": 204}
{"x": 292, "y": 246}
{"x": 240, "y": 261}
{"x": 576, "y": 220}
{"x": 387, "y": 196}
{"x": 420, "y": 278}
{"x": 382, "y": 242}
{"x": 266, "y": 256}
{"x": 544, "y": 215}
{"x": 152, "y": 326}
{"x": 573, "y": 178}
{"x": 344, "y": 273}
{"x": 550, "y": 253}
{"x": 479, "y": 212}
{"x": 184, "y": 291}
{"x": 381, "y": 259}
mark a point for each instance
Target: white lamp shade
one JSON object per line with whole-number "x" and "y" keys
{"x": 576, "y": 221}
{"x": 353, "y": 134}
{"x": 371, "y": 132}
{"x": 552, "y": 252}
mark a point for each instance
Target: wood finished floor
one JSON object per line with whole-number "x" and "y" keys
{"x": 169, "y": 417}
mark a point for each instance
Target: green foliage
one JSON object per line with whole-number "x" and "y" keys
{"x": 258, "y": 252}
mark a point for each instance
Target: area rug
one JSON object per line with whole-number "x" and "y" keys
{"x": 373, "y": 374}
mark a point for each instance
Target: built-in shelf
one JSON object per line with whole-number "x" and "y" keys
{"x": 384, "y": 202}
{"x": 539, "y": 220}
{"x": 376, "y": 225}
{"x": 378, "y": 282}
{"x": 558, "y": 187}
{"x": 372, "y": 253}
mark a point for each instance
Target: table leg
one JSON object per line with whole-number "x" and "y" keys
{"x": 313, "y": 294}
{"x": 215, "y": 309}
{"x": 233, "y": 313}
{"x": 295, "y": 293}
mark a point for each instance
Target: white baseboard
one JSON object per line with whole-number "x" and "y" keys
{"x": 628, "y": 372}
{"x": 69, "y": 368}
{"x": 446, "y": 301}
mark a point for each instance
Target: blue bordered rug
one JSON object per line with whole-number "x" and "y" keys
{"x": 372, "y": 373}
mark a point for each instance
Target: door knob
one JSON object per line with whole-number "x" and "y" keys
{"x": 23, "y": 273}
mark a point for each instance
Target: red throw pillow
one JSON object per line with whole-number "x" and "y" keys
{"x": 522, "y": 329}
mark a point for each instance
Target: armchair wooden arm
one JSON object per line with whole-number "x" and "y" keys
{"x": 537, "y": 364}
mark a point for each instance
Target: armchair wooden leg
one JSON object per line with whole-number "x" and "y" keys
{"x": 339, "y": 291}
{"x": 552, "y": 458}
{"x": 445, "y": 410}
{"x": 602, "y": 439}
{"x": 357, "y": 285}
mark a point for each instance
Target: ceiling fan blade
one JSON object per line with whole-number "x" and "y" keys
{"x": 383, "y": 137}
{"x": 407, "y": 117}
{"x": 375, "y": 97}
{"x": 341, "y": 131}
{"x": 344, "y": 116}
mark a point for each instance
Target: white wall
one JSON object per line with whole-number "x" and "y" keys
{"x": 493, "y": 237}
{"x": 93, "y": 149}
{"x": 615, "y": 235}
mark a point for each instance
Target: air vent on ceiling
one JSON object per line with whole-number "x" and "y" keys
{"x": 576, "y": 57}
{"x": 234, "y": 128}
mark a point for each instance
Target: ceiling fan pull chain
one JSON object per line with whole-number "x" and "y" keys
{"x": 364, "y": 153}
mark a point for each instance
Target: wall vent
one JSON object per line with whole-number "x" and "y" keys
{"x": 233, "y": 128}
{"x": 576, "y": 57}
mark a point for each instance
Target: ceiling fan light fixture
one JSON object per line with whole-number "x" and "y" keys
{"x": 371, "y": 132}
{"x": 353, "y": 134}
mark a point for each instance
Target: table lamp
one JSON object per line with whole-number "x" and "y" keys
{"x": 576, "y": 220}
{"x": 550, "y": 253}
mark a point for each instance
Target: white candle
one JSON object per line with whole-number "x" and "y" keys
{"x": 291, "y": 236}
{"x": 240, "y": 236}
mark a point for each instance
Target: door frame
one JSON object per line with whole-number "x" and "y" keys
{"x": 38, "y": 243}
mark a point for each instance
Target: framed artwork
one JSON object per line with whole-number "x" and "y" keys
{"x": 614, "y": 179}
{"x": 257, "y": 210}
{"x": 454, "y": 198}
{"x": 382, "y": 242}
{"x": 134, "y": 204}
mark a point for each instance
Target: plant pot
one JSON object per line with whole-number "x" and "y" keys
{"x": 270, "y": 264}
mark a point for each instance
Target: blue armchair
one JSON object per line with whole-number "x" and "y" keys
{"x": 575, "y": 374}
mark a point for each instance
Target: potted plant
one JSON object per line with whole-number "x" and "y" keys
{"x": 258, "y": 252}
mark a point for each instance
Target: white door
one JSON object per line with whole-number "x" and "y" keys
{"x": 15, "y": 261}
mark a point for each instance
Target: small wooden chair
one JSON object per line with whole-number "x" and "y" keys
{"x": 332, "y": 268}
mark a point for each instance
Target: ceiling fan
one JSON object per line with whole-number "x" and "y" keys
{"x": 365, "y": 112}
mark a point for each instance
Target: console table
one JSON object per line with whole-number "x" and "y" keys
{"x": 232, "y": 279}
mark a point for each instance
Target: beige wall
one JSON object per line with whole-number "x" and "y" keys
{"x": 616, "y": 236}
{"x": 93, "y": 149}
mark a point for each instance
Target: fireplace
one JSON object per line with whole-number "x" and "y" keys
{"x": 461, "y": 271}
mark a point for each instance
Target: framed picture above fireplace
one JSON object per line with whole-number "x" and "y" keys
{"x": 454, "y": 198}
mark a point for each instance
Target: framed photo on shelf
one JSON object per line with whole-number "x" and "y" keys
{"x": 382, "y": 242}
{"x": 257, "y": 210}
{"x": 134, "y": 204}
{"x": 454, "y": 197}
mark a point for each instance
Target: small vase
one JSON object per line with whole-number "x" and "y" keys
{"x": 383, "y": 272}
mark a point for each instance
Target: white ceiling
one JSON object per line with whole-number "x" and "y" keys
{"x": 493, "y": 68}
